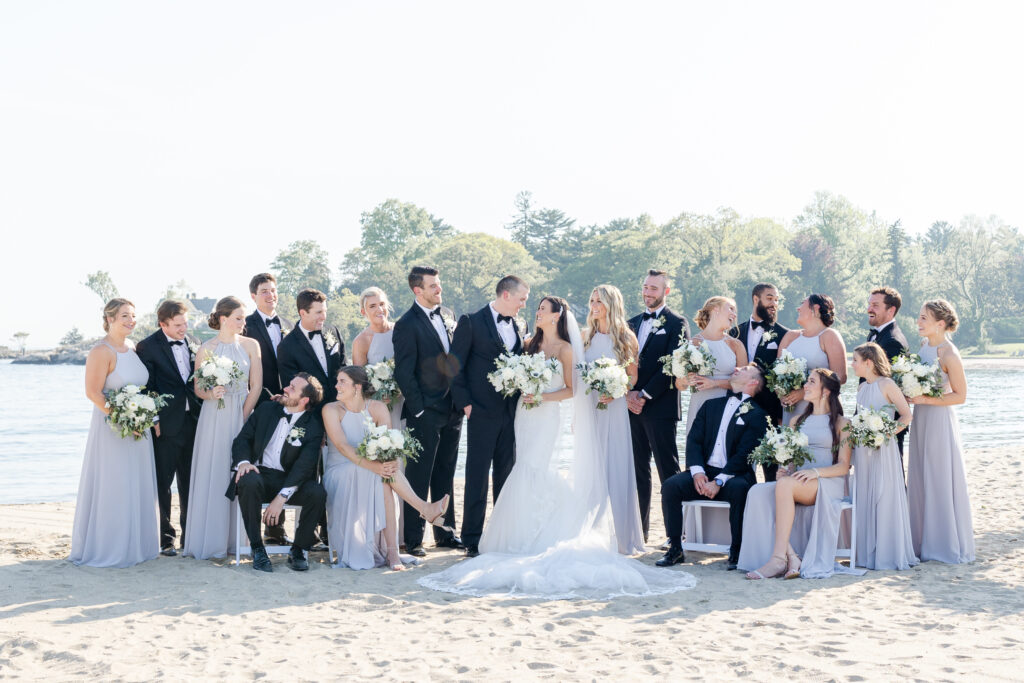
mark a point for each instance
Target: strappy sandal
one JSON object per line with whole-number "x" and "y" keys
{"x": 792, "y": 572}
{"x": 764, "y": 572}
{"x": 438, "y": 519}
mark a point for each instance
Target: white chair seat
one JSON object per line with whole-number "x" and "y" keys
{"x": 240, "y": 531}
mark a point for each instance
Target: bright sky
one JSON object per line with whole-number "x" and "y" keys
{"x": 162, "y": 141}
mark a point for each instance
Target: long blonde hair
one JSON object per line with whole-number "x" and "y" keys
{"x": 623, "y": 340}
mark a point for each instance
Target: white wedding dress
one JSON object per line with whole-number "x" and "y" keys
{"x": 552, "y": 537}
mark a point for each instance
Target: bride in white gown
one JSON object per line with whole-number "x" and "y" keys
{"x": 550, "y": 537}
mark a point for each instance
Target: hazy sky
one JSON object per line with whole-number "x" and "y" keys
{"x": 171, "y": 140}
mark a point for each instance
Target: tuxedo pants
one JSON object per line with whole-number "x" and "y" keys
{"x": 172, "y": 456}
{"x": 490, "y": 444}
{"x": 655, "y": 436}
{"x": 256, "y": 488}
{"x": 433, "y": 472}
{"x": 680, "y": 488}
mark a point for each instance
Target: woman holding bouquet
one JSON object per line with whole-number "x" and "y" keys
{"x": 715, "y": 319}
{"x": 883, "y": 522}
{"x": 771, "y": 524}
{"x": 817, "y": 343}
{"x": 374, "y": 344}
{"x": 116, "y": 519}
{"x": 940, "y": 510}
{"x": 211, "y": 516}
{"x": 607, "y": 335}
{"x": 361, "y": 514}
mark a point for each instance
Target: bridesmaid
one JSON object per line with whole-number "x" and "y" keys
{"x": 212, "y": 533}
{"x": 817, "y": 343}
{"x": 116, "y": 519}
{"x": 940, "y": 510}
{"x": 883, "y": 522}
{"x": 360, "y": 522}
{"x": 715, "y": 320}
{"x": 374, "y": 344}
{"x": 768, "y": 519}
{"x": 607, "y": 335}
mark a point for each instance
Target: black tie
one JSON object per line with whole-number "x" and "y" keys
{"x": 754, "y": 324}
{"x": 436, "y": 311}
{"x": 313, "y": 334}
{"x": 177, "y": 342}
{"x": 504, "y": 318}
{"x": 648, "y": 316}
{"x": 273, "y": 321}
{"x": 733, "y": 394}
{"x": 872, "y": 334}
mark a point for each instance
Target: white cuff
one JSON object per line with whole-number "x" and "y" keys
{"x": 644, "y": 392}
{"x": 695, "y": 470}
{"x": 724, "y": 477}
{"x": 419, "y": 413}
{"x": 287, "y": 491}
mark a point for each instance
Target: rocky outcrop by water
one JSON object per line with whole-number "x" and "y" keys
{"x": 62, "y": 355}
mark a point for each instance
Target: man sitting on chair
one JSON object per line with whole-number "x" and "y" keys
{"x": 274, "y": 458}
{"x": 723, "y": 434}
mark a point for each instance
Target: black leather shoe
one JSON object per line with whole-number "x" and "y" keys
{"x": 260, "y": 560}
{"x": 317, "y": 548}
{"x": 297, "y": 560}
{"x": 472, "y": 551}
{"x": 675, "y": 555}
{"x": 168, "y": 551}
{"x": 731, "y": 563}
{"x": 453, "y": 542}
{"x": 416, "y": 551}
{"x": 274, "y": 539}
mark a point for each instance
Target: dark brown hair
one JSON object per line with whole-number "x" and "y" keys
{"x": 830, "y": 383}
{"x": 259, "y": 279}
{"x": 890, "y": 296}
{"x": 313, "y": 389}
{"x": 417, "y": 273}
{"x": 871, "y": 351}
{"x": 509, "y": 283}
{"x": 558, "y": 305}
{"x": 826, "y": 308}
{"x": 357, "y": 373}
{"x": 224, "y": 308}
{"x": 171, "y": 308}
{"x": 760, "y": 288}
{"x": 307, "y": 297}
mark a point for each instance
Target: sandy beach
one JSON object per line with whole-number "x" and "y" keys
{"x": 178, "y": 618}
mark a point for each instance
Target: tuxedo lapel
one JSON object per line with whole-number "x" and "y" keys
{"x": 169, "y": 355}
{"x": 307, "y": 348}
{"x": 492, "y": 327}
{"x": 261, "y": 331}
{"x": 744, "y": 334}
{"x": 266, "y": 432}
{"x": 428, "y": 327}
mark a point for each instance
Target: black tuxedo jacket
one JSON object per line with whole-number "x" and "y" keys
{"x": 299, "y": 462}
{"x": 664, "y": 397}
{"x": 155, "y": 353}
{"x": 765, "y": 354}
{"x": 892, "y": 340}
{"x": 423, "y": 369}
{"x": 295, "y": 355}
{"x": 477, "y": 345}
{"x": 740, "y": 439}
{"x": 256, "y": 329}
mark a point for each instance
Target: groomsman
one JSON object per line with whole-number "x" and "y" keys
{"x": 267, "y": 327}
{"x": 424, "y": 369}
{"x": 654, "y": 401}
{"x": 761, "y": 335}
{"x": 169, "y": 356}
{"x": 883, "y": 305}
{"x": 478, "y": 341}
{"x": 312, "y": 347}
{"x": 723, "y": 434}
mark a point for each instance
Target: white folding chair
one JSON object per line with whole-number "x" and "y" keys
{"x": 698, "y": 544}
{"x": 240, "y": 531}
{"x": 850, "y": 503}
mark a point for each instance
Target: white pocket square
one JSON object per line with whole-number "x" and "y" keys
{"x": 739, "y": 421}
{"x": 773, "y": 345}
{"x": 334, "y": 349}
{"x": 659, "y": 332}
{"x": 296, "y": 442}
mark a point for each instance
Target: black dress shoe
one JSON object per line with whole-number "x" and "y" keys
{"x": 453, "y": 542}
{"x": 675, "y": 555}
{"x": 731, "y": 563}
{"x": 277, "y": 540}
{"x": 416, "y": 551}
{"x": 168, "y": 551}
{"x": 297, "y": 560}
{"x": 472, "y": 551}
{"x": 260, "y": 560}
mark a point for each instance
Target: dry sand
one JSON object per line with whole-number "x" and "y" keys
{"x": 179, "y": 618}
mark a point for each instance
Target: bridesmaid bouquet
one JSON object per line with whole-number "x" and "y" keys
{"x": 132, "y": 411}
{"x": 783, "y": 446}
{"x": 383, "y": 444}
{"x": 788, "y": 373}
{"x": 382, "y": 379}
{"x": 689, "y": 358}
{"x": 870, "y": 428}
{"x": 608, "y": 378}
{"x": 529, "y": 373}
{"x": 916, "y": 378}
{"x": 217, "y": 371}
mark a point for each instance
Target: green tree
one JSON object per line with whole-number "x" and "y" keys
{"x": 21, "y": 339}
{"x": 541, "y": 231}
{"x": 301, "y": 264}
{"x": 102, "y": 285}
{"x": 72, "y": 337}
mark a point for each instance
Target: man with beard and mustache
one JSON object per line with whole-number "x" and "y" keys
{"x": 883, "y": 305}
{"x": 761, "y": 335}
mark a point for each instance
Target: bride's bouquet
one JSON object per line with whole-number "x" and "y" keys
{"x": 916, "y": 378}
{"x": 871, "y": 428}
{"x": 788, "y": 373}
{"x": 382, "y": 379}
{"x": 529, "y": 373}
{"x": 217, "y": 371}
{"x": 132, "y": 411}
{"x": 608, "y": 378}
{"x": 689, "y": 358}
{"x": 783, "y": 446}
{"x": 383, "y": 444}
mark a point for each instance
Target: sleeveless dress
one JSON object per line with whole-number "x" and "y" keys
{"x": 815, "y": 535}
{"x": 883, "y": 520}
{"x": 613, "y": 436}
{"x": 940, "y": 509}
{"x": 725, "y": 363}
{"x": 211, "y": 516}
{"x": 116, "y": 518}
{"x": 808, "y": 348}
{"x": 382, "y": 347}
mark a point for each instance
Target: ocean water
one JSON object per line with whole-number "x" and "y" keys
{"x": 44, "y": 422}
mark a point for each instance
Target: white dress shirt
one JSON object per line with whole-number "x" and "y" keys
{"x": 181, "y": 359}
{"x": 719, "y": 455}
{"x": 272, "y": 453}
{"x": 754, "y": 335}
{"x": 646, "y": 327}
{"x": 505, "y": 329}
{"x": 273, "y": 330}
{"x": 438, "y": 324}
{"x": 882, "y": 327}
{"x": 317, "y": 346}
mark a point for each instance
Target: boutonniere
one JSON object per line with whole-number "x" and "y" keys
{"x": 286, "y": 330}
{"x": 658, "y": 322}
{"x": 193, "y": 348}
{"x": 295, "y": 434}
{"x": 449, "y": 323}
{"x": 767, "y": 336}
{"x": 329, "y": 339}
{"x": 743, "y": 409}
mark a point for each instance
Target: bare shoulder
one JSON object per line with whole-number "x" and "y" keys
{"x": 831, "y": 336}
{"x": 250, "y": 344}
{"x": 789, "y": 338}
{"x": 735, "y": 344}
{"x": 100, "y": 353}
{"x": 379, "y": 412}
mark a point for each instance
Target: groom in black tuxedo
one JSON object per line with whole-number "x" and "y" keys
{"x": 479, "y": 339}
{"x": 268, "y": 328}
{"x": 654, "y": 401}
{"x": 168, "y": 355}
{"x": 274, "y": 459}
{"x": 721, "y": 438}
{"x": 424, "y": 369}
{"x": 761, "y": 336}
{"x": 883, "y": 305}
{"x": 312, "y": 347}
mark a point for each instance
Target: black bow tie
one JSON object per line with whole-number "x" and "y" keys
{"x": 436, "y": 311}
{"x": 648, "y": 316}
{"x": 177, "y": 342}
{"x": 872, "y": 334}
{"x": 313, "y": 334}
{"x": 733, "y": 394}
{"x": 763, "y": 324}
{"x": 504, "y": 318}
{"x": 273, "y": 321}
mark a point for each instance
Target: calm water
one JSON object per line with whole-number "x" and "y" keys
{"x": 44, "y": 421}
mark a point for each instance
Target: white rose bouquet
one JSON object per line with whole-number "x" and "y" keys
{"x": 605, "y": 376}
{"x": 871, "y": 428}
{"x": 217, "y": 371}
{"x": 782, "y": 446}
{"x": 382, "y": 379}
{"x": 916, "y": 378}
{"x": 383, "y": 444}
{"x": 132, "y": 411}
{"x": 788, "y": 373}
{"x": 689, "y": 358}
{"x": 529, "y": 373}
